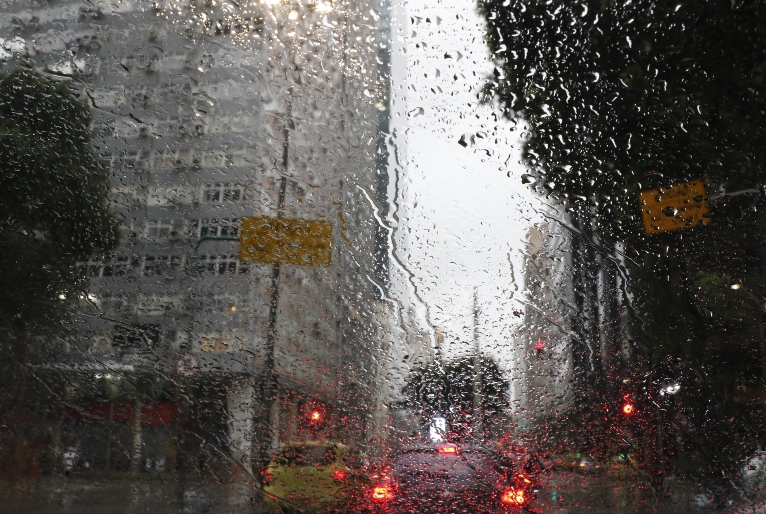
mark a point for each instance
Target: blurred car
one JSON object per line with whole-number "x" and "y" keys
{"x": 448, "y": 479}
{"x": 579, "y": 462}
{"x": 309, "y": 476}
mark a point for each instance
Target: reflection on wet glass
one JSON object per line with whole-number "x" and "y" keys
{"x": 382, "y": 256}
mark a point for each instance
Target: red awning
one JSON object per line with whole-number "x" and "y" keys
{"x": 155, "y": 414}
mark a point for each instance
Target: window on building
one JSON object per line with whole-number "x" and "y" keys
{"x": 130, "y": 228}
{"x": 162, "y": 264}
{"x": 130, "y": 161}
{"x": 164, "y": 159}
{"x": 114, "y": 302}
{"x": 176, "y": 262}
{"x": 221, "y": 264}
{"x": 97, "y": 268}
{"x": 223, "y": 192}
{"x": 182, "y": 158}
{"x": 157, "y": 304}
{"x": 156, "y": 265}
{"x": 233, "y": 25}
{"x": 116, "y": 267}
{"x": 160, "y": 229}
{"x": 169, "y": 195}
{"x": 215, "y": 227}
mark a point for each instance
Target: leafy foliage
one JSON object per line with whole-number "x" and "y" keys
{"x": 53, "y": 199}
{"x": 627, "y": 96}
{"x": 623, "y": 96}
{"x": 447, "y": 390}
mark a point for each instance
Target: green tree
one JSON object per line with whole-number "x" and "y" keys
{"x": 53, "y": 202}
{"x": 53, "y": 213}
{"x": 621, "y": 97}
{"x": 447, "y": 390}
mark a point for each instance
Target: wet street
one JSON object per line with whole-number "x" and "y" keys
{"x": 567, "y": 492}
{"x": 560, "y": 492}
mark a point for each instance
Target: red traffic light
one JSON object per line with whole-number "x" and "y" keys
{"x": 313, "y": 415}
{"x": 382, "y": 493}
{"x": 316, "y": 416}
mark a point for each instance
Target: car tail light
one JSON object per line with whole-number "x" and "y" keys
{"x": 339, "y": 475}
{"x": 382, "y": 493}
{"x": 513, "y": 496}
{"x": 447, "y": 448}
{"x": 524, "y": 479}
{"x": 383, "y": 490}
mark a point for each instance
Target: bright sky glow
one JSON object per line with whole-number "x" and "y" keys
{"x": 463, "y": 219}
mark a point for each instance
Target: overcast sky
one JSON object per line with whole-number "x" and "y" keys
{"x": 463, "y": 220}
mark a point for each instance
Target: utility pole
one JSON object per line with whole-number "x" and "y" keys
{"x": 270, "y": 384}
{"x": 477, "y": 412}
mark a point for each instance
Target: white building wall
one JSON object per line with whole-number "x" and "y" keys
{"x": 542, "y": 386}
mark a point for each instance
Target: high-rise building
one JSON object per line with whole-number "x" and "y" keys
{"x": 177, "y": 108}
{"x": 541, "y": 381}
{"x": 326, "y": 113}
{"x": 209, "y": 113}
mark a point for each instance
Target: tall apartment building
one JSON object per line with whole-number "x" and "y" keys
{"x": 326, "y": 111}
{"x": 176, "y": 100}
{"x": 208, "y": 113}
{"x": 541, "y": 378}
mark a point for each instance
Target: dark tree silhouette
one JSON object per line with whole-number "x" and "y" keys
{"x": 53, "y": 199}
{"x": 627, "y": 96}
{"x": 447, "y": 390}
{"x": 623, "y": 96}
{"x": 53, "y": 213}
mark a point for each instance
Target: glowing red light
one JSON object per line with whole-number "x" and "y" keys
{"x": 316, "y": 415}
{"x": 513, "y": 497}
{"x": 628, "y": 409}
{"x": 447, "y": 449}
{"x": 382, "y": 493}
{"x": 339, "y": 475}
{"x": 540, "y": 345}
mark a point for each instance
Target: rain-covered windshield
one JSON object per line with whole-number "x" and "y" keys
{"x": 300, "y": 255}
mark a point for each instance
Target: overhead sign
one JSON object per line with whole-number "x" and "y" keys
{"x": 286, "y": 241}
{"x": 677, "y": 207}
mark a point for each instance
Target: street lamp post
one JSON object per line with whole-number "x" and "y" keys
{"x": 270, "y": 385}
{"x": 477, "y": 414}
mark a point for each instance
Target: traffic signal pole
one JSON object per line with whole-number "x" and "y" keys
{"x": 477, "y": 414}
{"x": 270, "y": 384}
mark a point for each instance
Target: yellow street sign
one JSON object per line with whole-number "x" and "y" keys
{"x": 677, "y": 207}
{"x": 286, "y": 241}
{"x": 217, "y": 345}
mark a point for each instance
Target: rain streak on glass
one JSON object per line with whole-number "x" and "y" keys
{"x": 382, "y": 256}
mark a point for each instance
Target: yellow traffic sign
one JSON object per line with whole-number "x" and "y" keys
{"x": 286, "y": 241}
{"x": 677, "y": 207}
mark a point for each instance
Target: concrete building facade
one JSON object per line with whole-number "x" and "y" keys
{"x": 541, "y": 382}
{"x": 208, "y": 113}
